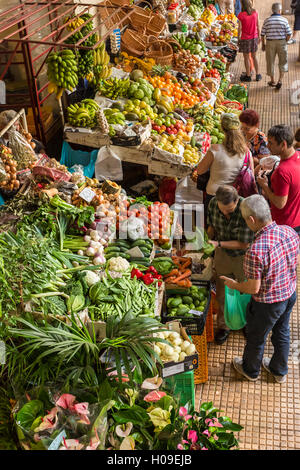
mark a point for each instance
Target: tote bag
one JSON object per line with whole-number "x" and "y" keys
{"x": 235, "y": 308}
{"x": 245, "y": 182}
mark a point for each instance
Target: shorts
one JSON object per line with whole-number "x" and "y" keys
{"x": 297, "y": 23}
{"x": 248, "y": 45}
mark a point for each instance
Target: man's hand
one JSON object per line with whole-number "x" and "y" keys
{"x": 262, "y": 180}
{"x": 263, "y": 47}
{"x": 231, "y": 283}
{"x": 214, "y": 242}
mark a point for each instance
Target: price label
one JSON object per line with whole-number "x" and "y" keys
{"x": 196, "y": 312}
{"x": 57, "y": 441}
{"x": 87, "y": 194}
{"x": 172, "y": 370}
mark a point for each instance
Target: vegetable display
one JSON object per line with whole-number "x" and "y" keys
{"x": 180, "y": 305}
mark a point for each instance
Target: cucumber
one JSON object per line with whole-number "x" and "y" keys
{"x": 145, "y": 251}
{"x": 142, "y": 263}
{"x": 139, "y": 260}
{"x": 111, "y": 249}
{"x": 139, "y": 243}
{"x": 112, "y": 254}
{"x": 109, "y": 299}
{"x": 123, "y": 243}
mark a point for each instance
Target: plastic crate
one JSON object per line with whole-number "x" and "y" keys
{"x": 194, "y": 325}
{"x": 183, "y": 387}
{"x": 201, "y": 374}
{"x": 209, "y": 325}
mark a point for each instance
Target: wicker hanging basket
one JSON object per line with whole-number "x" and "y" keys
{"x": 120, "y": 3}
{"x": 113, "y": 14}
{"x": 156, "y": 24}
{"x": 133, "y": 43}
{"x": 161, "y": 51}
{"x": 140, "y": 17}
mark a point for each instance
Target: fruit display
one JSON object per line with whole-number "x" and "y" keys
{"x": 62, "y": 71}
{"x": 9, "y": 180}
{"x": 194, "y": 86}
{"x": 186, "y": 62}
{"x": 113, "y": 88}
{"x": 213, "y": 73}
{"x": 140, "y": 89}
{"x": 83, "y": 114}
{"x": 195, "y": 9}
{"x": 208, "y": 16}
{"x": 178, "y": 349}
{"x": 193, "y": 42}
{"x": 170, "y": 125}
{"x": 218, "y": 39}
{"x": 180, "y": 305}
{"x": 101, "y": 68}
{"x": 138, "y": 110}
{"x": 114, "y": 116}
{"x": 128, "y": 63}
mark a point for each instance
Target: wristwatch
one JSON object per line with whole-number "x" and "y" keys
{"x": 219, "y": 244}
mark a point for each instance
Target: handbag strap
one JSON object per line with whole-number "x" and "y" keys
{"x": 246, "y": 160}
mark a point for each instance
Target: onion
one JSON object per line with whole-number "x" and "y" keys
{"x": 75, "y": 264}
{"x": 80, "y": 253}
{"x": 98, "y": 260}
{"x": 94, "y": 244}
{"x": 87, "y": 238}
{"x": 94, "y": 235}
{"x": 90, "y": 251}
{"x": 102, "y": 241}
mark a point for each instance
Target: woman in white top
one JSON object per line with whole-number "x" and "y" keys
{"x": 224, "y": 160}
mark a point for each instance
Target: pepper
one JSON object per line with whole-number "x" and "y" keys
{"x": 152, "y": 270}
{"x": 157, "y": 276}
{"x": 148, "y": 279}
{"x": 136, "y": 273}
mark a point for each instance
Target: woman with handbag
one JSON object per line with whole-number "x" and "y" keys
{"x": 223, "y": 162}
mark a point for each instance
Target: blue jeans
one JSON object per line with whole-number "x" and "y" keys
{"x": 261, "y": 319}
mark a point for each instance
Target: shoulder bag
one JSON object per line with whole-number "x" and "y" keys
{"x": 245, "y": 182}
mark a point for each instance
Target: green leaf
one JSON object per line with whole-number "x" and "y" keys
{"x": 105, "y": 390}
{"x": 136, "y": 414}
{"x": 28, "y": 413}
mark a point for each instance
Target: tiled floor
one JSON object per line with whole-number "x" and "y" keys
{"x": 269, "y": 412}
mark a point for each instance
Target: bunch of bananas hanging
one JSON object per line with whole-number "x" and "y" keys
{"x": 114, "y": 116}
{"x": 114, "y": 88}
{"x": 62, "y": 72}
{"x": 101, "y": 60}
{"x": 85, "y": 63}
{"x": 83, "y": 114}
{"x": 75, "y": 23}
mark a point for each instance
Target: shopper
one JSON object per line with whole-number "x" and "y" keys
{"x": 276, "y": 31}
{"x": 295, "y": 5}
{"x": 270, "y": 269}
{"x": 284, "y": 192}
{"x": 248, "y": 34}
{"x": 256, "y": 139}
{"x": 224, "y": 160}
{"x": 229, "y": 233}
{"x": 297, "y": 140}
{"x": 226, "y": 6}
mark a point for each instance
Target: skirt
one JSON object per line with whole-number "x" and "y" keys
{"x": 248, "y": 45}
{"x": 297, "y": 23}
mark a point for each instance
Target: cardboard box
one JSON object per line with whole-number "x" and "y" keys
{"x": 190, "y": 362}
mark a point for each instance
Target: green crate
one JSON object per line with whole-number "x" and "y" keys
{"x": 183, "y": 387}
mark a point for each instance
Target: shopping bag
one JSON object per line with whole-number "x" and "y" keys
{"x": 70, "y": 157}
{"x": 108, "y": 165}
{"x": 187, "y": 192}
{"x": 245, "y": 182}
{"x": 235, "y": 308}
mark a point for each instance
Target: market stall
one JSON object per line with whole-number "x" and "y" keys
{"x": 105, "y": 305}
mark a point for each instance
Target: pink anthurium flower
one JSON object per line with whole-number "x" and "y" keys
{"x": 82, "y": 411}
{"x": 214, "y": 422}
{"x": 180, "y": 447}
{"x": 49, "y": 421}
{"x": 123, "y": 430}
{"x": 206, "y": 433}
{"x": 192, "y": 436}
{"x": 66, "y": 401}
{"x": 204, "y": 448}
{"x": 154, "y": 396}
{"x": 71, "y": 444}
{"x": 183, "y": 413}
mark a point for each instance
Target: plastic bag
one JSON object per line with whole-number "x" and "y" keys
{"x": 21, "y": 149}
{"x": 77, "y": 174}
{"x": 235, "y": 308}
{"x": 187, "y": 192}
{"x": 108, "y": 165}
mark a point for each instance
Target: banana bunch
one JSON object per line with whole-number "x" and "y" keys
{"x": 114, "y": 116}
{"x": 203, "y": 119}
{"x": 221, "y": 109}
{"x": 62, "y": 71}
{"x": 114, "y": 87}
{"x": 83, "y": 114}
{"x": 90, "y": 77}
{"x": 85, "y": 63}
{"x": 220, "y": 98}
{"x": 75, "y": 23}
{"x": 163, "y": 100}
{"x": 101, "y": 60}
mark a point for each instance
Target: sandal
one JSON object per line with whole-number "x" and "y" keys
{"x": 272, "y": 84}
{"x": 278, "y": 86}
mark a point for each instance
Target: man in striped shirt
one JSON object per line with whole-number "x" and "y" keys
{"x": 277, "y": 32}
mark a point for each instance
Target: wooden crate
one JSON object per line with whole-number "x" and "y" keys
{"x": 86, "y": 138}
{"x": 157, "y": 167}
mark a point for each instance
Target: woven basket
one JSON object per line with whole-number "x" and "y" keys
{"x": 113, "y": 15}
{"x": 201, "y": 374}
{"x": 160, "y": 51}
{"x": 120, "y": 3}
{"x": 140, "y": 17}
{"x": 210, "y": 324}
{"x": 133, "y": 42}
{"x": 156, "y": 25}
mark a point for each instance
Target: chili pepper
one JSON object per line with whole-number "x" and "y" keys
{"x": 136, "y": 273}
{"x": 152, "y": 270}
{"x": 147, "y": 279}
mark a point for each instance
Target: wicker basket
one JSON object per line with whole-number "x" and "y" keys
{"x": 210, "y": 324}
{"x": 160, "y": 51}
{"x": 140, "y": 17}
{"x": 120, "y": 3}
{"x": 201, "y": 374}
{"x": 133, "y": 42}
{"x": 156, "y": 24}
{"x": 113, "y": 14}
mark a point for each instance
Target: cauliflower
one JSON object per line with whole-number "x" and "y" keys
{"x": 118, "y": 264}
{"x": 91, "y": 278}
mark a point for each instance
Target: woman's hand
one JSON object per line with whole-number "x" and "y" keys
{"x": 194, "y": 176}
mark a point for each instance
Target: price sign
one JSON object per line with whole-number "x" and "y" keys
{"x": 87, "y": 194}
{"x": 57, "y": 441}
{"x": 172, "y": 370}
{"x": 196, "y": 312}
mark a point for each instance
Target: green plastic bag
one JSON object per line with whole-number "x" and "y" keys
{"x": 235, "y": 308}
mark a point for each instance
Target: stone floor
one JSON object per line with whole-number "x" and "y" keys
{"x": 269, "y": 412}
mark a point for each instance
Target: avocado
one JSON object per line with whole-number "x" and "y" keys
{"x": 161, "y": 109}
{"x": 132, "y": 117}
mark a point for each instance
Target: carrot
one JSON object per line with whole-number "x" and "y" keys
{"x": 174, "y": 272}
{"x": 170, "y": 279}
{"x": 187, "y": 273}
{"x": 186, "y": 264}
{"x": 184, "y": 283}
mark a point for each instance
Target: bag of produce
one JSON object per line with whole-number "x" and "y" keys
{"x": 21, "y": 149}
{"x": 108, "y": 165}
{"x": 235, "y": 308}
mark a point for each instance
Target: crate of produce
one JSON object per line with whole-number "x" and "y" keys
{"x": 187, "y": 360}
{"x": 193, "y": 317}
{"x": 201, "y": 373}
{"x": 183, "y": 387}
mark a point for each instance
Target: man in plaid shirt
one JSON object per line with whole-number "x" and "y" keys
{"x": 229, "y": 233}
{"x": 270, "y": 268}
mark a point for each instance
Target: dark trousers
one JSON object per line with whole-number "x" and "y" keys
{"x": 261, "y": 319}
{"x": 297, "y": 229}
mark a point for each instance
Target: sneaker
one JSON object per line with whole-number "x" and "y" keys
{"x": 258, "y": 77}
{"x": 291, "y": 41}
{"x": 221, "y": 336}
{"x": 278, "y": 378}
{"x": 245, "y": 78}
{"x": 238, "y": 365}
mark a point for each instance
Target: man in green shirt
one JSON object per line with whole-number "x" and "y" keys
{"x": 231, "y": 236}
